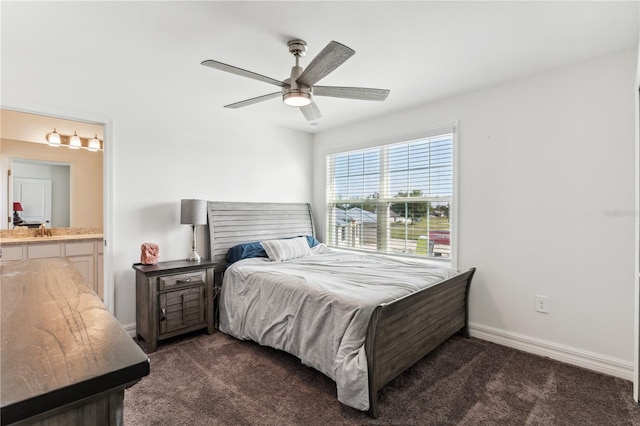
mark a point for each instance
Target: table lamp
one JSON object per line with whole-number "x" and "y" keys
{"x": 193, "y": 212}
{"x": 17, "y": 220}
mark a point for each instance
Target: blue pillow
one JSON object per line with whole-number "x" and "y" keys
{"x": 245, "y": 251}
{"x": 255, "y": 249}
{"x": 312, "y": 241}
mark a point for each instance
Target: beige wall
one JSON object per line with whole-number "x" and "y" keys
{"x": 86, "y": 177}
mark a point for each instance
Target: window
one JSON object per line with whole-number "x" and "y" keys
{"x": 395, "y": 199}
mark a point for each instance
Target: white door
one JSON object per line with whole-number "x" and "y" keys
{"x": 35, "y": 197}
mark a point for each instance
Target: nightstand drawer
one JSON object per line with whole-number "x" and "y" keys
{"x": 180, "y": 309}
{"x": 180, "y": 280}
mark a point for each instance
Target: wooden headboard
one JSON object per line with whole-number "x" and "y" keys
{"x": 232, "y": 223}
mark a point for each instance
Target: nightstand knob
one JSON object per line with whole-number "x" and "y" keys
{"x": 186, "y": 280}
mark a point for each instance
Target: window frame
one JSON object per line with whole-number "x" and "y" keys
{"x": 452, "y": 261}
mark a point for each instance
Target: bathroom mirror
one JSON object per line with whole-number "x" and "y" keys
{"x": 29, "y": 166}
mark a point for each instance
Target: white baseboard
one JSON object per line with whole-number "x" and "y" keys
{"x": 589, "y": 360}
{"x": 130, "y": 329}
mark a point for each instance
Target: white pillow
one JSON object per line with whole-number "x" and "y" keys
{"x": 291, "y": 248}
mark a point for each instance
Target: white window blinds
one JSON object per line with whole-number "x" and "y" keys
{"x": 394, "y": 198}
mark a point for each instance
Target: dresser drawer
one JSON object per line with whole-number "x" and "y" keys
{"x": 181, "y": 309}
{"x": 181, "y": 280}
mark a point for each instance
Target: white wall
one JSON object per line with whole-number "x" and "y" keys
{"x": 223, "y": 163}
{"x": 546, "y": 168}
{"x": 171, "y": 137}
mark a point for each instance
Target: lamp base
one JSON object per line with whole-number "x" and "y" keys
{"x": 194, "y": 257}
{"x": 17, "y": 220}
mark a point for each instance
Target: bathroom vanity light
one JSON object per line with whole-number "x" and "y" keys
{"x": 55, "y": 139}
{"x": 94, "y": 144}
{"x": 75, "y": 142}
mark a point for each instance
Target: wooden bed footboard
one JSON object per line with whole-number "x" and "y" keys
{"x": 402, "y": 332}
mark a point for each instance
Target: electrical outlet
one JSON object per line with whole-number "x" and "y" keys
{"x": 542, "y": 304}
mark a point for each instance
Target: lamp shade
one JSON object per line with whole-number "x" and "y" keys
{"x": 296, "y": 98}
{"x": 17, "y": 207}
{"x": 94, "y": 144}
{"x": 53, "y": 138}
{"x": 193, "y": 212}
{"x": 75, "y": 142}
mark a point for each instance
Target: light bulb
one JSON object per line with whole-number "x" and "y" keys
{"x": 75, "y": 142}
{"x": 53, "y": 139}
{"x": 94, "y": 144}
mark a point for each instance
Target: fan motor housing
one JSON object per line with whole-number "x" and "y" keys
{"x": 297, "y": 47}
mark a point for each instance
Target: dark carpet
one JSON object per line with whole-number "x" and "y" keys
{"x": 218, "y": 380}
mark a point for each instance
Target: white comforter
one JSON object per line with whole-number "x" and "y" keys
{"x": 318, "y": 308}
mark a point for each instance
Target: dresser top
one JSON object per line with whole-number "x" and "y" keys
{"x": 59, "y": 341}
{"x": 9, "y": 241}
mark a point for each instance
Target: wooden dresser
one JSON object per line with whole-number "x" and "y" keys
{"x": 65, "y": 359}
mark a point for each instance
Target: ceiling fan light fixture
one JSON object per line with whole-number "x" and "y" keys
{"x": 297, "y": 98}
{"x": 299, "y": 88}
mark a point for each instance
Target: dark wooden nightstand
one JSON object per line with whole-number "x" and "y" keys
{"x": 173, "y": 298}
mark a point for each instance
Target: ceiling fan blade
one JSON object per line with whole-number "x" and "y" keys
{"x": 361, "y": 93}
{"x": 254, "y": 100}
{"x": 241, "y": 72}
{"x": 311, "y": 112}
{"x": 330, "y": 58}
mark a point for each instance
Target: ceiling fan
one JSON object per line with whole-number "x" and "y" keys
{"x": 299, "y": 89}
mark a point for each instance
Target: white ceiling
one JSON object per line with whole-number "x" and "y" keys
{"x": 421, "y": 51}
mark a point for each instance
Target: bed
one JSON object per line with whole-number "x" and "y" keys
{"x": 397, "y": 332}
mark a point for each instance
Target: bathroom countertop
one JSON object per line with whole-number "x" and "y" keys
{"x": 52, "y": 239}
